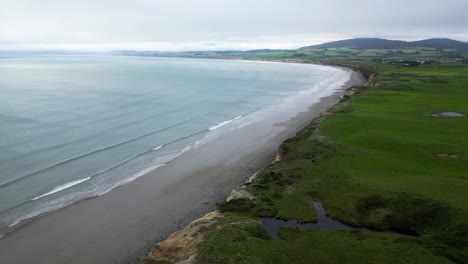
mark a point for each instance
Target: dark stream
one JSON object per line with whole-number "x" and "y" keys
{"x": 324, "y": 223}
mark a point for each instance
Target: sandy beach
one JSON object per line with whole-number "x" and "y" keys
{"x": 122, "y": 225}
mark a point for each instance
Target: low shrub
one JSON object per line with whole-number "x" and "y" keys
{"x": 240, "y": 205}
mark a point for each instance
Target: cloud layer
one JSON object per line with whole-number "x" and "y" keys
{"x": 221, "y": 24}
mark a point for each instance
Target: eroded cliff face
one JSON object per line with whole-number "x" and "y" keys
{"x": 181, "y": 246}
{"x": 372, "y": 81}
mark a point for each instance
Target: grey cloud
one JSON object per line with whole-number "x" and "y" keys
{"x": 52, "y": 22}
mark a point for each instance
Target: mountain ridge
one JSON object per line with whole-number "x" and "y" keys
{"x": 379, "y": 43}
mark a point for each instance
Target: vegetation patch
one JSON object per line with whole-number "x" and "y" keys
{"x": 397, "y": 87}
{"x": 240, "y": 205}
{"x": 434, "y": 80}
{"x": 234, "y": 245}
{"x": 152, "y": 261}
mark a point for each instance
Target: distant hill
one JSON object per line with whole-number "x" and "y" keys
{"x": 377, "y": 43}
{"x": 265, "y": 50}
{"x": 441, "y": 43}
{"x": 248, "y": 51}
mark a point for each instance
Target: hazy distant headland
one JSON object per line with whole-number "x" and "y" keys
{"x": 339, "y": 50}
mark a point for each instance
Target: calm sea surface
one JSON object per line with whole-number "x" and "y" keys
{"x": 77, "y": 126}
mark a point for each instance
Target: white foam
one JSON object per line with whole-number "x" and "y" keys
{"x": 186, "y": 149}
{"x": 132, "y": 178}
{"x": 309, "y": 96}
{"x": 70, "y": 198}
{"x": 62, "y": 187}
{"x": 152, "y": 168}
{"x": 223, "y": 123}
{"x": 36, "y": 213}
{"x": 137, "y": 175}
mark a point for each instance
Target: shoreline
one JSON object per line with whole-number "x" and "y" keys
{"x": 26, "y": 218}
{"x": 235, "y": 171}
{"x": 181, "y": 245}
{"x": 22, "y": 221}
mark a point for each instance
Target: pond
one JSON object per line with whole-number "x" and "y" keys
{"x": 449, "y": 114}
{"x": 324, "y": 223}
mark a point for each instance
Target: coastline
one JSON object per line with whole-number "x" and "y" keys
{"x": 181, "y": 245}
{"x": 195, "y": 170}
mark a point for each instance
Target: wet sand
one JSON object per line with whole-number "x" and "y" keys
{"x": 122, "y": 225}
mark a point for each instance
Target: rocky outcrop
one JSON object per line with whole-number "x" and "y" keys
{"x": 277, "y": 158}
{"x": 181, "y": 247}
{"x": 240, "y": 192}
{"x": 350, "y": 92}
{"x": 372, "y": 81}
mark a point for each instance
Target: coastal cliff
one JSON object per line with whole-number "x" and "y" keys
{"x": 181, "y": 247}
{"x": 381, "y": 160}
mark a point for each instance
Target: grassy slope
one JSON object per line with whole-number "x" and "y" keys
{"x": 395, "y": 139}
{"x": 372, "y": 163}
{"x": 234, "y": 245}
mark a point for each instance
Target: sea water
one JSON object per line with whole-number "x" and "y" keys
{"x": 74, "y": 127}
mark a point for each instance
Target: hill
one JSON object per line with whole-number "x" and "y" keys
{"x": 377, "y": 43}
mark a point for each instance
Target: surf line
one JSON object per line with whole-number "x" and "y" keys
{"x": 223, "y": 123}
{"x": 62, "y": 187}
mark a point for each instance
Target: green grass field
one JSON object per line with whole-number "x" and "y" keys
{"x": 382, "y": 159}
{"x": 394, "y": 140}
{"x": 335, "y": 54}
{"x": 378, "y": 161}
{"x": 235, "y": 244}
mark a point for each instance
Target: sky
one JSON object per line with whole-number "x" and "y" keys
{"x": 179, "y": 25}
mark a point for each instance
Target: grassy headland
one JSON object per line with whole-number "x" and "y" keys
{"x": 382, "y": 158}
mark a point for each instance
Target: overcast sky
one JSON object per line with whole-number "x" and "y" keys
{"x": 221, "y": 24}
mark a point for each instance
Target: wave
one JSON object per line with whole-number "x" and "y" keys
{"x": 139, "y": 174}
{"x": 223, "y": 123}
{"x": 126, "y": 180}
{"x": 133, "y": 177}
{"x": 90, "y": 122}
{"x": 123, "y": 181}
{"x": 36, "y": 213}
{"x": 96, "y": 151}
{"x": 62, "y": 187}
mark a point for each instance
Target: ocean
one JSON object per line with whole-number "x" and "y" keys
{"x": 75, "y": 127}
